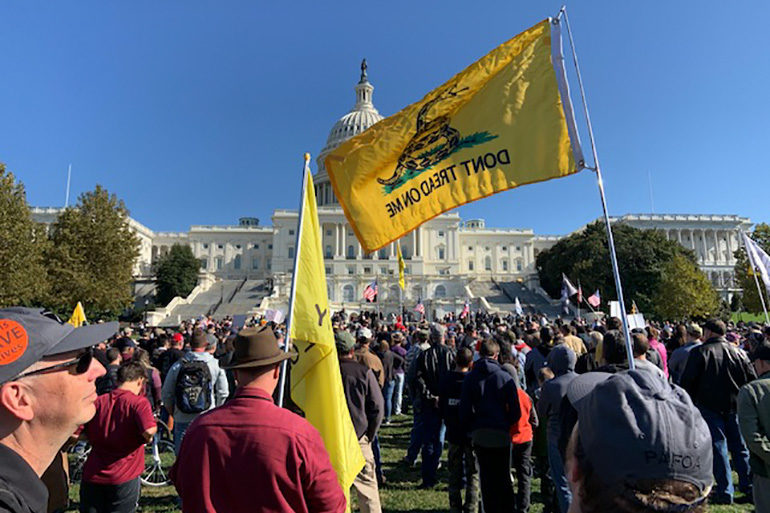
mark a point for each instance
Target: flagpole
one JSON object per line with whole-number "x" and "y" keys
{"x": 600, "y": 183}
{"x": 753, "y": 267}
{"x": 290, "y": 316}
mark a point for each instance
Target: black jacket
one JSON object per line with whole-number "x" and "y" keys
{"x": 715, "y": 372}
{"x": 364, "y": 397}
{"x": 489, "y": 398}
{"x": 432, "y": 365}
{"x": 450, "y": 390}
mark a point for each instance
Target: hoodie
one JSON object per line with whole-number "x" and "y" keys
{"x": 561, "y": 360}
{"x": 489, "y": 402}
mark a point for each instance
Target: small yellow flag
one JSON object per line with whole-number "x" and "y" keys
{"x": 504, "y": 121}
{"x": 316, "y": 384}
{"x": 78, "y": 316}
{"x": 401, "y": 266}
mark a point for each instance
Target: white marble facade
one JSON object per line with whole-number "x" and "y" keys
{"x": 442, "y": 256}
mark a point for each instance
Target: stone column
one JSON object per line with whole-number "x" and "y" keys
{"x": 343, "y": 231}
{"x": 392, "y": 250}
{"x": 360, "y": 250}
{"x": 414, "y": 243}
{"x": 336, "y": 239}
{"x": 729, "y": 238}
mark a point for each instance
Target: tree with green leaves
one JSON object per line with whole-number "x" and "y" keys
{"x": 745, "y": 280}
{"x": 92, "y": 256}
{"x": 176, "y": 273}
{"x": 684, "y": 292}
{"x": 584, "y": 257}
{"x": 22, "y": 242}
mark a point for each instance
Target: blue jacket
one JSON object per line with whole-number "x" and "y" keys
{"x": 489, "y": 399}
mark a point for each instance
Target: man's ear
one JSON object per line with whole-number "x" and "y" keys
{"x": 277, "y": 371}
{"x": 16, "y": 398}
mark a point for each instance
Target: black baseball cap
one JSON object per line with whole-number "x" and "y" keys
{"x": 651, "y": 423}
{"x": 27, "y": 335}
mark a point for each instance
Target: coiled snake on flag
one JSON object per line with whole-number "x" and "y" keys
{"x": 415, "y": 157}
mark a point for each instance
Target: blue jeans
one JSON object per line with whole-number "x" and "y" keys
{"x": 415, "y": 441}
{"x": 179, "y": 430}
{"x": 432, "y": 443}
{"x": 558, "y": 476}
{"x": 398, "y": 394}
{"x": 726, "y": 435}
{"x": 387, "y": 394}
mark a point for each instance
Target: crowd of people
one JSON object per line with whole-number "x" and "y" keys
{"x": 498, "y": 399}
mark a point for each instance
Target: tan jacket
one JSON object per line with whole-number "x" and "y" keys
{"x": 372, "y": 361}
{"x": 576, "y": 344}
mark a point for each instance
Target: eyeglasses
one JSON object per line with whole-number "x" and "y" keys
{"x": 81, "y": 365}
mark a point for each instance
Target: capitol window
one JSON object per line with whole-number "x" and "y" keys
{"x": 291, "y": 232}
{"x": 383, "y": 270}
{"x": 470, "y": 265}
{"x": 441, "y": 253}
{"x": 237, "y": 246}
{"x": 328, "y": 233}
{"x": 351, "y": 270}
{"x": 237, "y": 262}
{"x": 220, "y": 246}
{"x": 518, "y": 265}
{"x": 440, "y": 233}
{"x": 439, "y": 292}
{"x": 470, "y": 248}
{"x": 269, "y": 246}
{"x": 505, "y": 265}
{"x": 487, "y": 264}
{"x": 255, "y": 263}
{"x": 256, "y": 246}
{"x": 328, "y": 270}
{"x": 367, "y": 270}
{"x": 204, "y": 263}
{"x": 219, "y": 263}
{"x": 205, "y": 246}
{"x": 328, "y": 252}
{"x": 504, "y": 248}
{"x": 291, "y": 252}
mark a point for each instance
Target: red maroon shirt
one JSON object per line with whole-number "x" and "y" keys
{"x": 250, "y": 455}
{"x": 115, "y": 434}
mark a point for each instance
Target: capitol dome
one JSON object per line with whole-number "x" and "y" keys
{"x": 361, "y": 116}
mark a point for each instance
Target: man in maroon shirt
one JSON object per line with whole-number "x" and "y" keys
{"x": 122, "y": 425}
{"x": 250, "y": 455}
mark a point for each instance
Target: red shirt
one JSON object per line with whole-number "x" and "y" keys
{"x": 250, "y": 455}
{"x": 521, "y": 432}
{"x": 115, "y": 434}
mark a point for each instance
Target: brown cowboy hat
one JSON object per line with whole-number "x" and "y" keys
{"x": 257, "y": 347}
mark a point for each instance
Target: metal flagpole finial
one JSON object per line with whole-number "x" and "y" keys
{"x": 307, "y": 157}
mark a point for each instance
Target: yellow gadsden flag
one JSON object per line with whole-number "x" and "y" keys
{"x": 316, "y": 384}
{"x": 401, "y": 265}
{"x": 78, "y": 316}
{"x": 504, "y": 121}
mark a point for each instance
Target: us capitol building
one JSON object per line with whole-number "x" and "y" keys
{"x": 448, "y": 260}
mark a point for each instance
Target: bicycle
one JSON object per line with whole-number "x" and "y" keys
{"x": 159, "y": 456}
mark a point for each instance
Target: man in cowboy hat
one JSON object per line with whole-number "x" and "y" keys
{"x": 249, "y": 454}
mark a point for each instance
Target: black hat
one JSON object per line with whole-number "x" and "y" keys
{"x": 653, "y": 424}
{"x": 27, "y": 335}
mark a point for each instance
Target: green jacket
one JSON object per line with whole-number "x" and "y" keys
{"x": 754, "y": 420}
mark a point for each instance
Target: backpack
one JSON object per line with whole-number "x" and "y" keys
{"x": 193, "y": 386}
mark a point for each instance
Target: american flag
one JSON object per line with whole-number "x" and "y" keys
{"x": 370, "y": 292}
{"x": 466, "y": 310}
{"x": 594, "y": 299}
{"x": 420, "y": 308}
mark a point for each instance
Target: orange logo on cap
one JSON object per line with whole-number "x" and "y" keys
{"x": 13, "y": 341}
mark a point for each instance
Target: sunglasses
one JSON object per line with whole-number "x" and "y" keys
{"x": 81, "y": 364}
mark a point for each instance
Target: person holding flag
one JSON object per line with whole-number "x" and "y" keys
{"x": 466, "y": 310}
{"x": 370, "y": 292}
{"x": 420, "y": 308}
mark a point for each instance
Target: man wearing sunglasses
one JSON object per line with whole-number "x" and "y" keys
{"x": 47, "y": 390}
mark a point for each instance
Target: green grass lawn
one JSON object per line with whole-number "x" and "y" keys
{"x": 400, "y": 493}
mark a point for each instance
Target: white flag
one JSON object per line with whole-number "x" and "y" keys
{"x": 758, "y": 260}
{"x": 567, "y": 286}
{"x": 517, "y": 307}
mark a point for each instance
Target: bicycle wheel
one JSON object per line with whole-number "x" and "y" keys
{"x": 77, "y": 456}
{"x": 158, "y": 458}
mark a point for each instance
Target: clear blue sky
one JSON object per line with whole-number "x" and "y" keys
{"x": 199, "y": 112}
